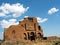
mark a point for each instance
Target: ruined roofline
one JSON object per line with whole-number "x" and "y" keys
{"x": 18, "y": 24}
{"x": 29, "y": 17}
{"x": 10, "y": 27}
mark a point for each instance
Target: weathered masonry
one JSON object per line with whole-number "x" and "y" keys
{"x": 27, "y": 30}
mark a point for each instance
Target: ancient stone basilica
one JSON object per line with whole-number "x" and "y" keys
{"x": 27, "y": 30}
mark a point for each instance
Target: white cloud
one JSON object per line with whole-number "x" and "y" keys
{"x": 2, "y": 14}
{"x": 14, "y": 10}
{"x": 6, "y": 24}
{"x": 40, "y": 20}
{"x": 53, "y": 10}
{"x": 1, "y": 35}
{"x": 26, "y": 16}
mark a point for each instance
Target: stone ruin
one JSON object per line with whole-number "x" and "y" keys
{"x": 27, "y": 30}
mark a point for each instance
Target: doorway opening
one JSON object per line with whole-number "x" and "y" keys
{"x": 25, "y": 36}
{"x": 32, "y": 36}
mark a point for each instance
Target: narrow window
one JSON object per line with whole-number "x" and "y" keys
{"x": 35, "y": 26}
{"x": 39, "y": 27}
{"x": 14, "y": 35}
{"x": 13, "y": 31}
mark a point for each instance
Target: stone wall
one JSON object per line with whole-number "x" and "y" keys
{"x": 27, "y": 30}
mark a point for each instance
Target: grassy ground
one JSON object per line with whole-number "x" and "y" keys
{"x": 41, "y": 42}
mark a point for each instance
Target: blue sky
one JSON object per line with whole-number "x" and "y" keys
{"x": 47, "y": 13}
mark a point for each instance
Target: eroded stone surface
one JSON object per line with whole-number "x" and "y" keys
{"x": 27, "y": 30}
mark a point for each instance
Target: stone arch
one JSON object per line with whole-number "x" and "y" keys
{"x": 32, "y": 36}
{"x": 28, "y": 34}
{"x": 25, "y": 36}
{"x": 39, "y": 35}
{"x": 14, "y": 34}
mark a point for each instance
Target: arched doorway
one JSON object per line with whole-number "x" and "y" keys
{"x": 40, "y": 36}
{"x": 25, "y": 36}
{"x": 32, "y": 36}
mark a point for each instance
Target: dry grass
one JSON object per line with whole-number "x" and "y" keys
{"x": 41, "y": 42}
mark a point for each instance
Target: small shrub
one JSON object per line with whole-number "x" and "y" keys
{"x": 8, "y": 43}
